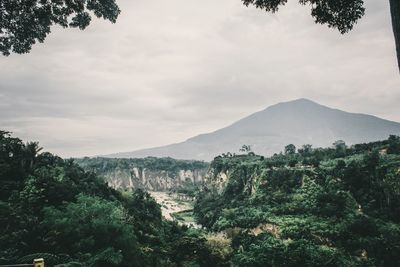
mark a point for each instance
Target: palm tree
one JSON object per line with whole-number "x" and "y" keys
{"x": 31, "y": 151}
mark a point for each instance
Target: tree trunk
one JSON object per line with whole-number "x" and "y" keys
{"x": 395, "y": 13}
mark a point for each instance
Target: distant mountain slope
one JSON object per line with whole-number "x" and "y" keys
{"x": 269, "y": 130}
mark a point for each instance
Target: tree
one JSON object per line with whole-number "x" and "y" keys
{"x": 395, "y": 14}
{"x": 290, "y": 149}
{"x": 394, "y": 144}
{"x": 339, "y": 14}
{"x": 340, "y": 147}
{"x": 31, "y": 151}
{"x": 339, "y": 144}
{"x": 305, "y": 150}
{"x": 245, "y": 148}
{"x": 23, "y": 23}
{"x": 94, "y": 231}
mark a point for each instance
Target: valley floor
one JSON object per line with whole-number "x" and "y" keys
{"x": 173, "y": 208}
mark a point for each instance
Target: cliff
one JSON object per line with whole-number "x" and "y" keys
{"x": 153, "y": 174}
{"x": 152, "y": 180}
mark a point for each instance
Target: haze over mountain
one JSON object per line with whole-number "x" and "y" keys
{"x": 298, "y": 122}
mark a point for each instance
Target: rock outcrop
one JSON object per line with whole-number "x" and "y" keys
{"x": 152, "y": 174}
{"x": 152, "y": 180}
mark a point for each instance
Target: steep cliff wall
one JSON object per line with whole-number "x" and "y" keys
{"x": 154, "y": 174}
{"x": 153, "y": 180}
{"x": 246, "y": 175}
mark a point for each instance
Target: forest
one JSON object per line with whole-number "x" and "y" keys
{"x": 337, "y": 206}
{"x": 169, "y": 165}
{"x": 51, "y": 208}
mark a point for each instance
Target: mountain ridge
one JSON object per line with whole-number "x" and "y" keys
{"x": 269, "y": 130}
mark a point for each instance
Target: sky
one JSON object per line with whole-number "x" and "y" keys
{"x": 170, "y": 70}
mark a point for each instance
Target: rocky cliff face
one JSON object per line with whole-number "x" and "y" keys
{"x": 240, "y": 173}
{"x": 153, "y": 174}
{"x": 152, "y": 180}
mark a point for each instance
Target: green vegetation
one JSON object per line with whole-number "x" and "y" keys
{"x": 52, "y": 208}
{"x": 23, "y": 23}
{"x": 188, "y": 189}
{"x": 151, "y": 173}
{"x": 339, "y": 14}
{"x": 184, "y": 216}
{"x": 337, "y": 206}
{"x": 169, "y": 165}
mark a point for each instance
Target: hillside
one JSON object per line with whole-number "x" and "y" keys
{"x": 153, "y": 174}
{"x": 51, "y": 208}
{"x": 268, "y": 131}
{"x": 322, "y": 207}
{"x": 308, "y": 207}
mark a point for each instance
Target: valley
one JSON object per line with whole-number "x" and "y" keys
{"x": 176, "y": 209}
{"x": 333, "y": 206}
{"x": 172, "y": 183}
{"x": 151, "y": 174}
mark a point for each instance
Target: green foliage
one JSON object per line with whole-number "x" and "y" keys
{"x": 265, "y": 250}
{"x": 52, "y": 208}
{"x": 245, "y": 148}
{"x": 72, "y": 232}
{"x": 334, "y": 207}
{"x": 290, "y": 149}
{"x": 150, "y": 169}
{"x": 169, "y": 165}
{"x": 327, "y": 209}
{"x": 23, "y": 23}
{"x": 194, "y": 251}
{"x": 394, "y": 144}
{"x": 341, "y": 14}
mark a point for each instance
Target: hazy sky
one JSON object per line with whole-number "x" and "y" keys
{"x": 168, "y": 70}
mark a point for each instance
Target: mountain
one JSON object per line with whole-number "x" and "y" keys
{"x": 269, "y": 130}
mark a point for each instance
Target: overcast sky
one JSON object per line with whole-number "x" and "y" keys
{"x": 169, "y": 70}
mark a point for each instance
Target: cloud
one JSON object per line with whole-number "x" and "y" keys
{"x": 168, "y": 70}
